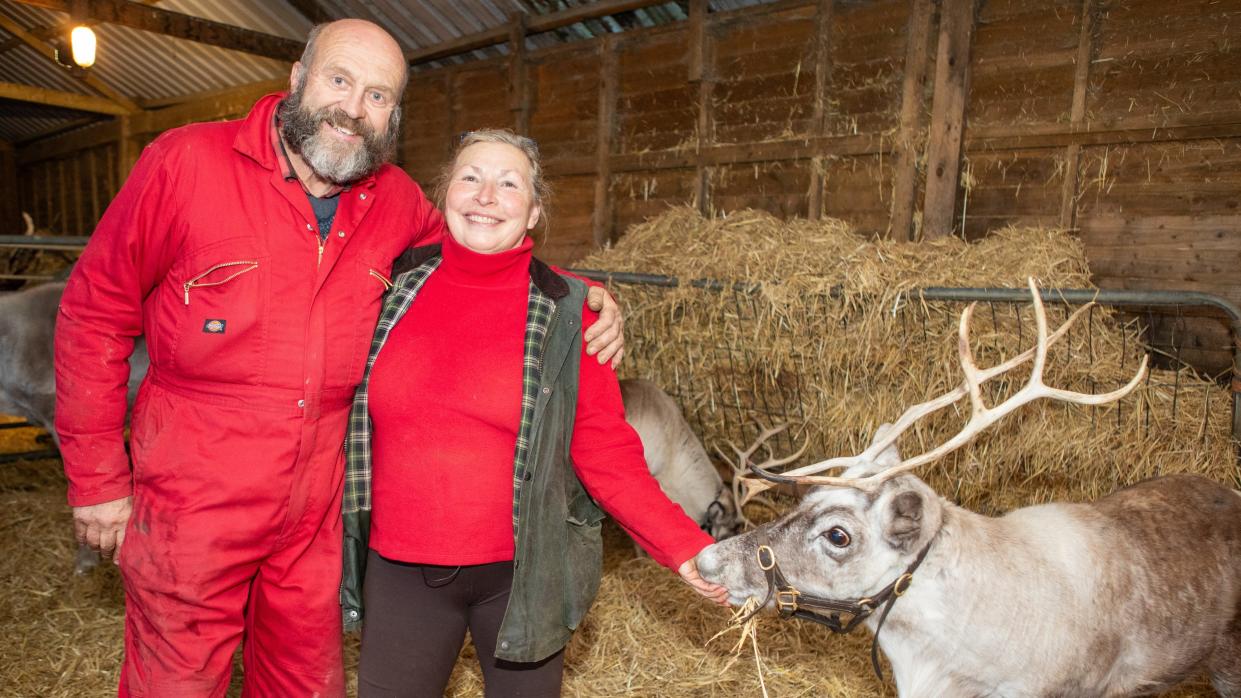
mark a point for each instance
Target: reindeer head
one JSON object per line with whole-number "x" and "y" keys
{"x": 839, "y": 543}
{"x": 869, "y": 521}
{"x": 723, "y": 519}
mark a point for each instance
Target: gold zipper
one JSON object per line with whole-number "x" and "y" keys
{"x": 382, "y": 279}
{"x": 193, "y": 283}
{"x": 320, "y": 262}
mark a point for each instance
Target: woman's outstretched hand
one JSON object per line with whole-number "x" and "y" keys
{"x": 689, "y": 572}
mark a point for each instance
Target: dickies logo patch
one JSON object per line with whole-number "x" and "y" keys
{"x": 214, "y": 326}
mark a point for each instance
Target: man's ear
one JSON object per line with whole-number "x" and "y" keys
{"x": 294, "y": 73}
{"x": 904, "y": 520}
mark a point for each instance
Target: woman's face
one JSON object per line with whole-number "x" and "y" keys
{"x": 490, "y": 201}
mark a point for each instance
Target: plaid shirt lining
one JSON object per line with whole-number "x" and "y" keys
{"x": 539, "y": 313}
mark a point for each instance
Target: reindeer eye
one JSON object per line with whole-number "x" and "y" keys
{"x": 838, "y": 537}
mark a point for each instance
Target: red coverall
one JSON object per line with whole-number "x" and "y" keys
{"x": 258, "y": 336}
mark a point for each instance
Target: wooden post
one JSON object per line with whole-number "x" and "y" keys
{"x": 818, "y": 119}
{"x": 49, "y": 211}
{"x": 905, "y": 164}
{"x": 952, "y": 70}
{"x": 601, "y": 220}
{"x": 76, "y": 184}
{"x": 1081, "y": 79}
{"x": 700, "y": 72}
{"x": 62, "y": 215}
{"x": 92, "y": 173}
{"x": 111, "y": 170}
{"x": 10, "y": 206}
{"x": 518, "y": 74}
{"x": 123, "y": 150}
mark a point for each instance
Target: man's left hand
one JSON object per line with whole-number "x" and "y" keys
{"x": 605, "y": 340}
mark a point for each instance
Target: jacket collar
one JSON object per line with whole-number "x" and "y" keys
{"x": 255, "y": 138}
{"x": 544, "y": 278}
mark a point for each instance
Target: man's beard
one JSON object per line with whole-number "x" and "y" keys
{"x": 328, "y": 157}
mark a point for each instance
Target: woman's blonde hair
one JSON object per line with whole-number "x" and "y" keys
{"x": 538, "y": 185}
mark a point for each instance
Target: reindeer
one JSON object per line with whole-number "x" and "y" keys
{"x": 1128, "y": 595}
{"x": 27, "y": 375}
{"x": 677, "y": 459}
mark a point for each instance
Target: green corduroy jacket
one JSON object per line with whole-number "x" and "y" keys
{"x": 557, "y": 561}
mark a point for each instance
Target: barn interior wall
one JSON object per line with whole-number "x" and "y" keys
{"x": 1120, "y": 119}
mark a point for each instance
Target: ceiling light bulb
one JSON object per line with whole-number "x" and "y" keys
{"x": 83, "y": 41}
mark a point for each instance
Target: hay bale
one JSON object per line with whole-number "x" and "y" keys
{"x": 829, "y": 343}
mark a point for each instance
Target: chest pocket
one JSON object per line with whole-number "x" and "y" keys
{"x": 224, "y": 295}
{"x": 352, "y": 314}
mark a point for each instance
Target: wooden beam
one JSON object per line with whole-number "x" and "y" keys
{"x": 518, "y": 74}
{"x": 700, "y": 73}
{"x": 276, "y": 85}
{"x": 311, "y": 10}
{"x": 181, "y": 26}
{"x": 218, "y": 106}
{"x": 100, "y": 134}
{"x": 56, "y": 98}
{"x": 1081, "y": 80}
{"x": 534, "y": 25}
{"x": 58, "y": 127}
{"x": 913, "y": 88}
{"x": 818, "y": 115}
{"x": 952, "y": 66}
{"x": 45, "y": 49}
{"x": 601, "y": 217}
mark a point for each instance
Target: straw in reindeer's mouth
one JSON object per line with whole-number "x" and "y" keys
{"x": 745, "y": 619}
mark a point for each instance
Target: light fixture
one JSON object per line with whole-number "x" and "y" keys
{"x": 82, "y": 39}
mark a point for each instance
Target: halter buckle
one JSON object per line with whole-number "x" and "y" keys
{"x": 786, "y": 600}
{"x": 901, "y": 585}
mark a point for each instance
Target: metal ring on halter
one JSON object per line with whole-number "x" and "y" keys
{"x": 770, "y": 561}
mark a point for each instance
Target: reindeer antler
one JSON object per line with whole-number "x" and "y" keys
{"x": 981, "y": 416}
{"x": 746, "y": 488}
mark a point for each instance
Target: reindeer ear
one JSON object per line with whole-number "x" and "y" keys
{"x": 889, "y": 457}
{"x": 905, "y": 522}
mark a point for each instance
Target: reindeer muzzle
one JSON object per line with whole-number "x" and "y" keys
{"x": 838, "y": 616}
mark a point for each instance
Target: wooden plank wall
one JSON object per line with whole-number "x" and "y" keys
{"x": 1115, "y": 117}
{"x": 1120, "y": 119}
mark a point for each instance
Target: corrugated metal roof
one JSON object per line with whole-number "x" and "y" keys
{"x": 143, "y": 66}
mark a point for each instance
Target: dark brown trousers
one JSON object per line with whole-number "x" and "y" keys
{"x": 416, "y": 618}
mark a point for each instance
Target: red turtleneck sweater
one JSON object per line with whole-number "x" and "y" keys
{"x": 445, "y": 402}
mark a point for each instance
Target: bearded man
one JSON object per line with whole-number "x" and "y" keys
{"x": 253, "y": 256}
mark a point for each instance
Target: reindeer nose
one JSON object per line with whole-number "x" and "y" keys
{"x": 708, "y": 564}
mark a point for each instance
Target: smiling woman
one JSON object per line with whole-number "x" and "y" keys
{"x": 491, "y": 199}
{"x": 478, "y": 368}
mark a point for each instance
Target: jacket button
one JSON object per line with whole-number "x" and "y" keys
{"x": 340, "y": 233}
{"x": 301, "y": 403}
{"x": 547, "y": 391}
{"x": 527, "y": 476}
{"x": 362, "y": 196}
{"x": 504, "y": 644}
{"x": 353, "y": 614}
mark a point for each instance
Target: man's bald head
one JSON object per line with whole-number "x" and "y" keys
{"x": 359, "y": 32}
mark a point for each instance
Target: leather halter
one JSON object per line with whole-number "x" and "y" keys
{"x": 792, "y": 603}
